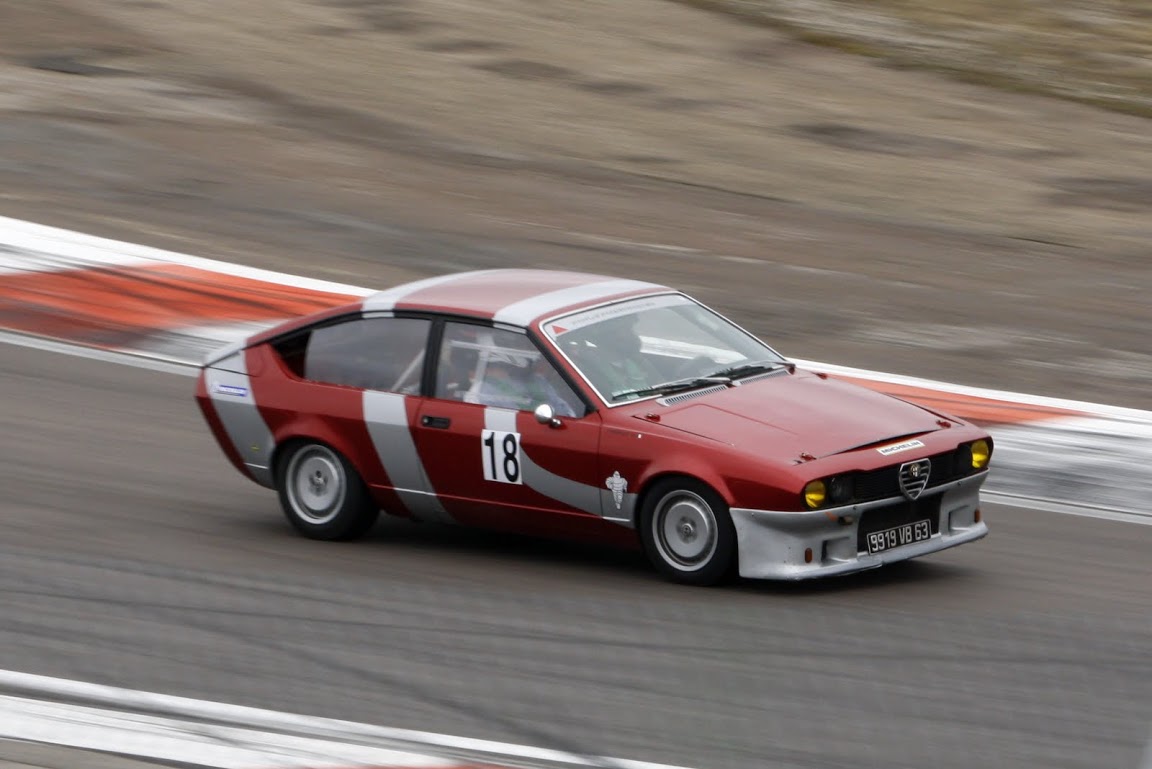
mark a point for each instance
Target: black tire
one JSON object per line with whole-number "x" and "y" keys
{"x": 322, "y": 495}
{"x": 687, "y": 532}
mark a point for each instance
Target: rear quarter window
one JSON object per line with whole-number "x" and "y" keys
{"x": 368, "y": 353}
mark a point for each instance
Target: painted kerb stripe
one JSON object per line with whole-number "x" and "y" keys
{"x": 1069, "y": 455}
{"x": 62, "y": 711}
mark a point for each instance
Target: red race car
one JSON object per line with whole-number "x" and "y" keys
{"x": 582, "y": 406}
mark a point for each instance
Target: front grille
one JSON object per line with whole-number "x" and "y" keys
{"x": 877, "y": 484}
{"x": 885, "y": 482}
{"x": 896, "y": 514}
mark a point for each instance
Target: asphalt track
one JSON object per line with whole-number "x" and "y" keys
{"x": 135, "y": 556}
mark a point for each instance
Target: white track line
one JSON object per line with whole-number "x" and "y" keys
{"x": 1086, "y": 407}
{"x": 122, "y": 357}
{"x": 173, "y": 739}
{"x": 146, "y": 714}
{"x": 1054, "y": 506}
{"x": 89, "y": 250}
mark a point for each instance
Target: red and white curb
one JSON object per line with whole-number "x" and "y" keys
{"x": 83, "y": 295}
{"x": 202, "y": 733}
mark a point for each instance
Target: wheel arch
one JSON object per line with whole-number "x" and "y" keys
{"x": 651, "y": 481}
{"x": 722, "y": 562}
{"x": 296, "y": 438}
{"x": 348, "y": 516}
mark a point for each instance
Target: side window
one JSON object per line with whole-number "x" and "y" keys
{"x": 500, "y": 368}
{"x": 371, "y": 353}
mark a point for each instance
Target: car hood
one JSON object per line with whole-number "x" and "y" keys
{"x": 801, "y": 413}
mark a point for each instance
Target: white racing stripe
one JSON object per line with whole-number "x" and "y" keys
{"x": 205, "y": 733}
{"x": 386, "y": 415}
{"x": 230, "y": 392}
{"x": 525, "y": 311}
{"x": 381, "y": 301}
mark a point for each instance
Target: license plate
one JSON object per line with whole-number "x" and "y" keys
{"x": 905, "y": 534}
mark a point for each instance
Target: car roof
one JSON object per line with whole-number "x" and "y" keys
{"x": 516, "y": 296}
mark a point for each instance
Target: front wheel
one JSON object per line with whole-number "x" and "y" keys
{"x": 687, "y": 532}
{"x": 322, "y": 495}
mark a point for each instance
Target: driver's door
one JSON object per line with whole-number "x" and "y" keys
{"x": 489, "y": 461}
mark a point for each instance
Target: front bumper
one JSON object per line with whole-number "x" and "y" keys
{"x": 772, "y": 544}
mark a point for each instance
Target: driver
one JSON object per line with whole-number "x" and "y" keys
{"x": 615, "y": 362}
{"x": 518, "y": 387}
{"x": 546, "y": 386}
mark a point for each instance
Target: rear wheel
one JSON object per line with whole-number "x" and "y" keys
{"x": 322, "y": 495}
{"x": 687, "y": 532}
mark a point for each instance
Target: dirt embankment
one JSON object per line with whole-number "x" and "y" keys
{"x": 1095, "y": 52}
{"x": 846, "y": 210}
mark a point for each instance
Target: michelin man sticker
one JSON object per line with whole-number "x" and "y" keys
{"x": 617, "y": 485}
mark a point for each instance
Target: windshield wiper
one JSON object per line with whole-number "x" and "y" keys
{"x": 753, "y": 367}
{"x": 678, "y": 385}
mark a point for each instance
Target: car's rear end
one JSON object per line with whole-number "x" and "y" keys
{"x": 226, "y": 398}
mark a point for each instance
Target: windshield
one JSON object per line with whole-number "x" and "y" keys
{"x": 655, "y": 345}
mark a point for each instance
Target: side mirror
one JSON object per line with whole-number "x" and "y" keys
{"x": 546, "y": 415}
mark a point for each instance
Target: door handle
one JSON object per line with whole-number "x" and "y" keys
{"x": 441, "y": 422}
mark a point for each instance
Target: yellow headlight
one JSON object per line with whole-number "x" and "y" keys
{"x": 980, "y": 454}
{"x": 814, "y": 494}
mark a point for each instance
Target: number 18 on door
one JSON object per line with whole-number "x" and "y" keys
{"x": 501, "y": 453}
